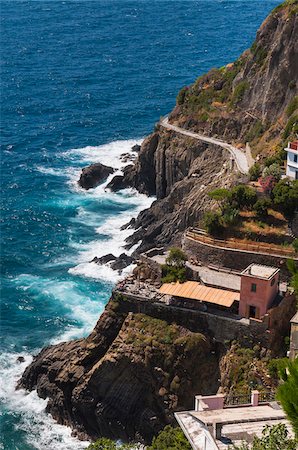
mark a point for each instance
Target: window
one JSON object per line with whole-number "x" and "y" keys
{"x": 253, "y": 287}
{"x": 295, "y": 158}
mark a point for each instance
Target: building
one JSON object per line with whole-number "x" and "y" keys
{"x": 259, "y": 288}
{"x": 294, "y": 337}
{"x": 292, "y": 160}
{"x": 217, "y": 424}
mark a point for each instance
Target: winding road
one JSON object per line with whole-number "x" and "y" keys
{"x": 238, "y": 155}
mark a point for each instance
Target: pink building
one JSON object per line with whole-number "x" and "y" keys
{"x": 259, "y": 287}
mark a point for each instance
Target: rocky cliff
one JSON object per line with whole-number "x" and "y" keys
{"x": 251, "y": 100}
{"x": 127, "y": 378}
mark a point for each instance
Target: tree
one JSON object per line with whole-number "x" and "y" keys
{"x": 261, "y": 207}
{"x": 243, "y": 196}
{"x": 170, "y": 439}
{"x": 213, "y": 223}
{"x": 285, "y": 197}
{"x": 275, "y": 437}
{"x": 255, "y": 172}
{"x": 176, "y": 257}
{"x": 273, "y": 170}
{"x": 287, "y": 393}
{"x": 220, "y": 194}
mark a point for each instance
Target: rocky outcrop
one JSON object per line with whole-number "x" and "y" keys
{"x": 94, "y": 175}
{"x": 127, "y": 378}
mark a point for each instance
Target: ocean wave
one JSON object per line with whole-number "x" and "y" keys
{"x": 41, "y": 430}
{"x": 74, "y": 302}
{"x": 108, "y": 154}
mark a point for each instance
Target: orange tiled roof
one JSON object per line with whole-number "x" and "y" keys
{"x": 196, "y": 291}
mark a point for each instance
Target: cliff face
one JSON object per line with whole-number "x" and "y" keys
{"x": 126, "y": 378}
{"x": 180, "y": 171}
{"x": 255, "y": 98}
{"x": 252, "y": 100}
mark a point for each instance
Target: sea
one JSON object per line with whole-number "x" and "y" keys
{"x": 82, "y": 82}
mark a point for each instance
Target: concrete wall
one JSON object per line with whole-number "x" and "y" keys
{"x": 236, "y": 260}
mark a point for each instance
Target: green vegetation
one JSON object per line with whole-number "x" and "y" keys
{"x": 288, "y": 393}
{"x": 292, "y": 106}
{"x": 255, "y": 172}
{"x": 174, "y": 269}
{"x": 292, "y": 127}
{"x": 170, "y": 439}
{"x": 285, "y": 197}
{"x": 181, "y": 95}
{"x": 239, "y": 92}
{"x": 293, "y": 269}
{"x": 273, "y": 170}
{"x": 261, "y": 207}
{"x": 256, "y": 130}
{"x": 275, "y": 437}
{"x": 108, "y": 444}
{"x": 213, "y": 223}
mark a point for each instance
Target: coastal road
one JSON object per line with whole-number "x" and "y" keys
{"x": 238, "y": 155}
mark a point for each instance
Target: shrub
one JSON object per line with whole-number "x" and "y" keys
{"x": 272, "y": 170}
{"x": 292, "y": 106}
{"x": 291, "y": 127}
{"x": 213, "y": 223}
{"x": 275, "y": 437}
{"x": 171, "y": 274}
{"x": 255, "y": 172}
{"x": 255, "y": 131}
{"x": 261, "y": 207}
{"x": 107, "y": 444}
{"x": 176, "y": 257}
{"x": 243, "y": 196}
{"x": 267, "y": 184}
{"x": 170, "y": 439}
{"x": 230, "y": 215}
{"x": 285, "y": 197}
{"x": 239, "y": 92}
{"x": 295, "y": 245}
{"x": 181, "y": 95}
{"x": 220, "y": 194}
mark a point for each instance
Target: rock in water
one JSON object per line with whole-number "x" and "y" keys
{"x": 93, "y": 175}
{"x": 117, "y": 183}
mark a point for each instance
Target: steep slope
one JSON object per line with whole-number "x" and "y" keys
{"x": 252, "y": 100}
{"x": 127, "y": 378}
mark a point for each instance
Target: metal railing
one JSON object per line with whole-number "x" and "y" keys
{"x": 235, "y": 400}
{"x": 266, "y": 396}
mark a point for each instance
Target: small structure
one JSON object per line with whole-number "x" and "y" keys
{"x": 292, "y": 160}
{"x": 294, "y": 337}
{"x": 194, "y": 294}
{"x": 213, "y": 424}
{"x": 259, "y": 288}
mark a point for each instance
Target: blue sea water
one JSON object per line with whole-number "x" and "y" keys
{"x": 82, "y": 81}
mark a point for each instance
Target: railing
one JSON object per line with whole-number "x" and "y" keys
{"x": 241, "y": 399}
{"x": 234, "y": 244}
{"x": 266, "y": 396}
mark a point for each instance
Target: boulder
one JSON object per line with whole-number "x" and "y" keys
{"x": 136, "y": 148}
{"x": 122, "y": 261}
{"x": 117, "y": 183}
{"x": 104, "y": 259}
{"x": 94, "y": 175}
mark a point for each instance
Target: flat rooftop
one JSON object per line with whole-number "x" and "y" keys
{"x": 196, "y": 291}
{"x": 238, "y": 424}
{"x": 259, "y": 271}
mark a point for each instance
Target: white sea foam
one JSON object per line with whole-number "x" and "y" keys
{"x": 41, "y": 430}
{"x": 108, "y": 154}
{"x": 78, "y": 306}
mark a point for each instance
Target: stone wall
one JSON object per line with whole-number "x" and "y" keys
{"x": 218, "y": 326}
{"x": 234, "y": 259}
